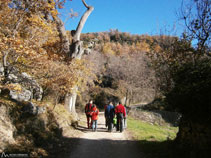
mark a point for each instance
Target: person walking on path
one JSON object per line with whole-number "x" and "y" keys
{"x": 88, "y": 109}
{"x": 110, "y": 113}
{"x": 94, "y": 115}
{"x": 121, "y": 114}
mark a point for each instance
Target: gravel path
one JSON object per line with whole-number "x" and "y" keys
{"x": 103, "y": 144}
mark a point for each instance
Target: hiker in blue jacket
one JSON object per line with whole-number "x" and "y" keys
{"x": 110, "y": 113}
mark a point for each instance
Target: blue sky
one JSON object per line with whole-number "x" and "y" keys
{"x": 133, "y": 16}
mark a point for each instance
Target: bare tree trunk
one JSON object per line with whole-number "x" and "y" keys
{"x": 5, "y": 54}
{"x": 70, "y": 100}
{"x": 5, "y": 66}
{"x": 126, "y": 98}
{"x": 75, "y": 51}
{"x": 76, "y": 48}
{"x": 65, "y": 48}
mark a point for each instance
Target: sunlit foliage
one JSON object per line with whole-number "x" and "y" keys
{"x": 29, "y": 41}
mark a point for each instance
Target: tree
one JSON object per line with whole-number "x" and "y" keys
{"x": 191, "y": 97}
{"x": 33, "y": 39}
{"x": 191, "y": 90}
{"x": 135, "y": 80}
{"x": 172, "y": 53}
{"x": 197, "y": 17}
{"x": 23, "y": 32}
{"x": 73, "y": 51}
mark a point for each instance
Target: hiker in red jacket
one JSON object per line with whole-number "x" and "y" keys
{"x": 94, "y": 115}
{"x": 121, "y": 114}
{"x": 88, "y": 109}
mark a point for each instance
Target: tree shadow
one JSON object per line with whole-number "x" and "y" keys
{"x": 108, "y": 148}
{"x": 58, "y": 146}
{"x": 103, "y": 148}
{"x": 171, "y": 149}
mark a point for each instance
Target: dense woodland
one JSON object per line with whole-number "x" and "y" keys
{"x": 115, "y": 65}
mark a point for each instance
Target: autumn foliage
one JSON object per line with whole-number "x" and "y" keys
{"x": 29, "y": 41}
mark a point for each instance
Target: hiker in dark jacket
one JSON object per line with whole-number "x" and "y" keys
{"x": 88, "y": 110}
{"x": 110, "y": 113}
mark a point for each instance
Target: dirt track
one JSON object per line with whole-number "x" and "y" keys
{"x": 103, "y": 144}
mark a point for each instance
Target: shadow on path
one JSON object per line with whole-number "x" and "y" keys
{"x": 105, "y": 148}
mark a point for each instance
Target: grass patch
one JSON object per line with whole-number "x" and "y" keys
{"x": 148, "y": 132}
{"x": 155, "y": 141}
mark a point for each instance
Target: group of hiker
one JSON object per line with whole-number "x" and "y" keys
{"x": 115, "y": 116}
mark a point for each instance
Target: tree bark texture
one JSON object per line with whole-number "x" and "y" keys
{"x": 70, "y": 100}
{"x": 65, "y": 48}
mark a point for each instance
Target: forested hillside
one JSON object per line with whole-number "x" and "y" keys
{"x": 125, "y": 65}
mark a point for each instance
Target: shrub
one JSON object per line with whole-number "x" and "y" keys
{"x": 192, "y": 91}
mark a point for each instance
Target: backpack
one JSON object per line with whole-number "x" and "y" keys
{"x": 115, "y": 121}
{"x": 109, "y": 111}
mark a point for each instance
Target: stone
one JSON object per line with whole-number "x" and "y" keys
{"x": 30, "y": 86}
{"x": 24, "y": 95}
{"x": 156, "y": 117}
{"x": 34, "y": 109}
{"x": 13, "y": 78}
{"x": 30, "y": 108}
{"x": 87, "y": 51}
{"x": 25, "y": 75}
{"x": 40, "y": 110}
